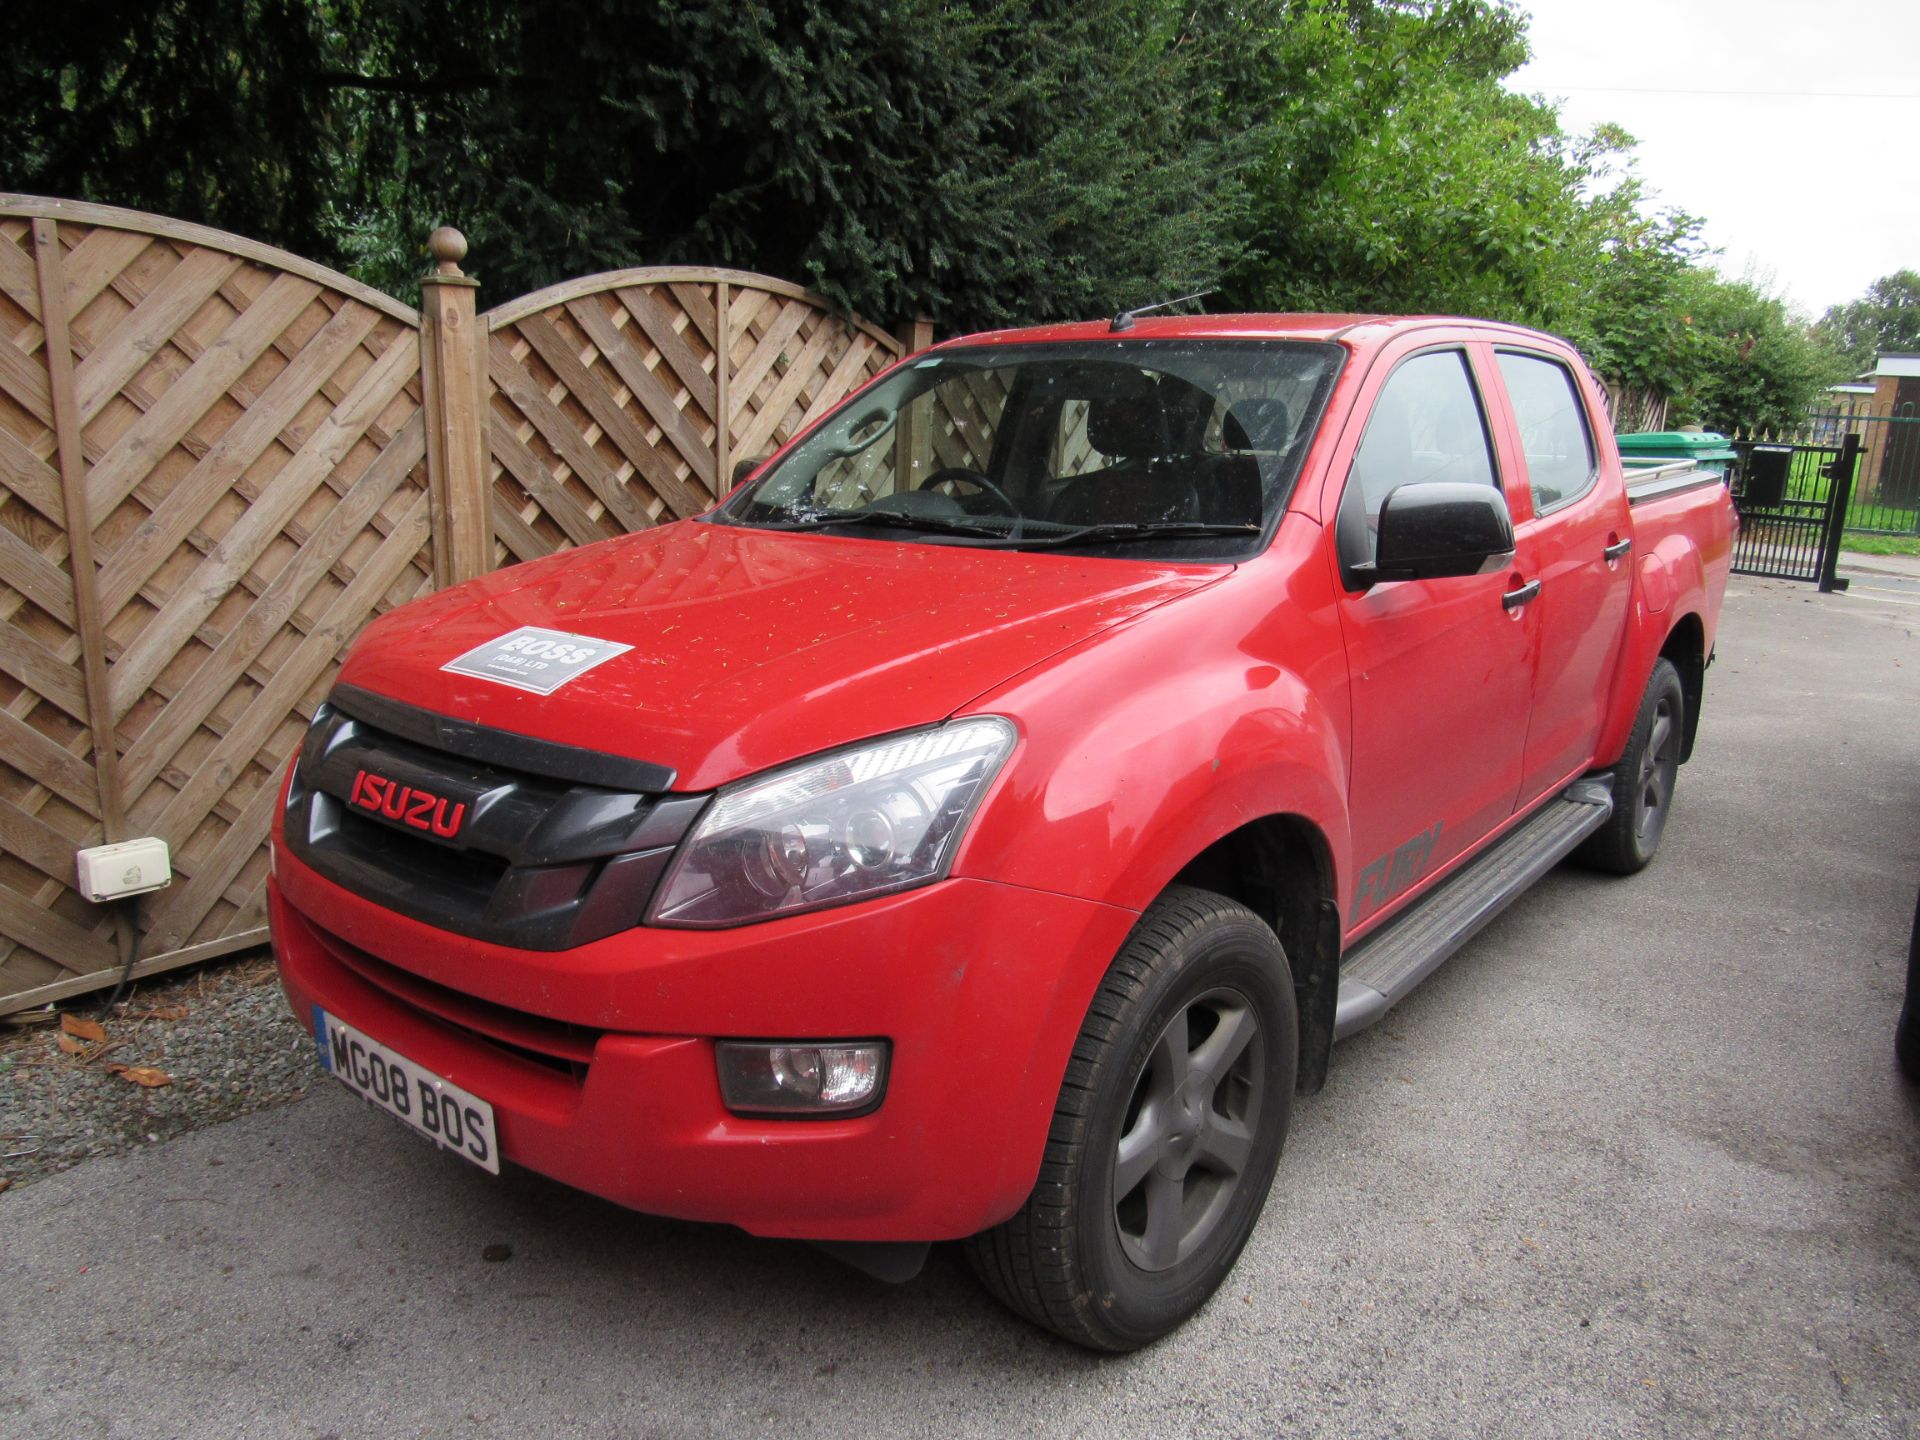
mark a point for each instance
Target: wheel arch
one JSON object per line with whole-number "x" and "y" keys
{"x": 1282, "y": 868}
{"x": 1651, "y": 637}
{"x": 1686, "y": 649}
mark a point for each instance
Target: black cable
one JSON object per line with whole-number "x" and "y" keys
{"x": 133, "y": 957}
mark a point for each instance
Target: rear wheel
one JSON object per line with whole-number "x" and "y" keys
{"x": 1643, "y": 780}
{"x": 1166, "y": 1134}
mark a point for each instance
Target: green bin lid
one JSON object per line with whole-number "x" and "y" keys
{"x": 1677, "y": 445}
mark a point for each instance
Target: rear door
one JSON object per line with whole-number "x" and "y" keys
{"x": 1574, "y": 532}
{"x": 1441, "y": 670}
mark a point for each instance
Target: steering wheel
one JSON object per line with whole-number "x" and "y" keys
{"x": 961, "y": 475}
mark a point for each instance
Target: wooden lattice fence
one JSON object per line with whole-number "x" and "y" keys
{"x": 609, "y": 393}
{"x": 219, "y": 461}
{"x": 1634, "y": 409}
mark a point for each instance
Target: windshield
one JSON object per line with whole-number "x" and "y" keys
{"x": 1188, "y": 445}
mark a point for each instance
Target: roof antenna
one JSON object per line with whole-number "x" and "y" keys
{"x": 1124, "y": 320}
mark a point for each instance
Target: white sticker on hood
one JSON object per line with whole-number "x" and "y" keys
{"x": 531, "y": 658}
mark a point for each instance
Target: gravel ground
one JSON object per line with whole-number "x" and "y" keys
{"x": 222, "y": 1035}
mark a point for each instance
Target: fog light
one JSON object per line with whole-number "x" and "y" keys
{"x": 762, "y": 1078}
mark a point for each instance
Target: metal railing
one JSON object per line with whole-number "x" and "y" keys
{"x": 1886, "y": 491}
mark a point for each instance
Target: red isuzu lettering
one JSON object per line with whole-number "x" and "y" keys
{"x": 419, "y": 809}
{"x": 984, "y": 822}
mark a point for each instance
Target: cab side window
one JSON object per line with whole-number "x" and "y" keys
{"x": 1426, "y": 424}
{"x": 1553, "y": 429}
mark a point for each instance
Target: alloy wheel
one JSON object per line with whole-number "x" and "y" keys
{"x": 1188, "y": 1137}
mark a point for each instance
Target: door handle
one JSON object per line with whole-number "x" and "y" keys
{"x": 1618, "y": 548}
{"x": 1514, "y": 599}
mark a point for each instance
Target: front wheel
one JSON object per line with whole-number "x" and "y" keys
{"x": 1167, "y": 1131}
{"x": 1643, "y": 780}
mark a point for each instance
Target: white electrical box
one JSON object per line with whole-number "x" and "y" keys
{"x": 132, "y": 867}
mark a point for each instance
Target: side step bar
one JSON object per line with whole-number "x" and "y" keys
{"x": 1378, "y": 972}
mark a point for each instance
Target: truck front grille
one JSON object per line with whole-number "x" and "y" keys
{"x": 552, "y": 1044}
{"x": 515, "y": 841}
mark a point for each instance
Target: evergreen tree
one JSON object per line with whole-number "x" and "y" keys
{"x": 208, "y": 112}
{"x": 986, "y": 162}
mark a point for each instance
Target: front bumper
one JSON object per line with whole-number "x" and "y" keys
{"x": 599, "y": 1060}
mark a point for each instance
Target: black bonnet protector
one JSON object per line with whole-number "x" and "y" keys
{"x": 499, "y": 747}
{"x": 516, "y": 841}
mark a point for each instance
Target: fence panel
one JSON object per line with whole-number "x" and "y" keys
{"x": 243, "y": 435}
{"x": 215, "y": 469}
{"x": 1887, "y": 497}
{"x": 622, "y": 400}
{"x": 1886, "y": 494}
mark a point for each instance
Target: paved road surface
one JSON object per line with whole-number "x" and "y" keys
{"x": 1635, "y": 1163}
{"x": 1891, "y": 578}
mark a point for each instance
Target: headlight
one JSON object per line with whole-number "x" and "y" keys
{"x": 862, "y": 822}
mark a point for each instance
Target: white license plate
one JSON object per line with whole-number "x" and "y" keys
{"x": 438, "y": 1109}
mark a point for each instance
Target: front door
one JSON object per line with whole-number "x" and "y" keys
{"x": 1441, "y": 670}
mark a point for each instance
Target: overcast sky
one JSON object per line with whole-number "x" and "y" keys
{"x": 1791, "y": 126}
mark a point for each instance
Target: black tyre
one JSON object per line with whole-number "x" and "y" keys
{"x": 1164, "y": 1141}
{"x": 1643, "y": 780}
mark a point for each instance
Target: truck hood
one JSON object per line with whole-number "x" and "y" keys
{"x": 753, "y": 647}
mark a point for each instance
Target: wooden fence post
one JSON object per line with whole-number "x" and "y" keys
{"x": 916, "y": 335}
{"x": 453, "y": 384}
{"x": 911, "y": 453}
{"x": 722, "y": 388}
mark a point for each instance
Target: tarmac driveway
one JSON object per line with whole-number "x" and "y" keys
{"x": 1637, "y": 1162}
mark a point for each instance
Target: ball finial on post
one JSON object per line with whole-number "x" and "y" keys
{"x": 448, "y": 248}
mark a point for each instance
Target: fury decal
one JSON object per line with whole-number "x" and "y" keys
{"x": 1394, "y": 871}
{"x": 420, "y": 809}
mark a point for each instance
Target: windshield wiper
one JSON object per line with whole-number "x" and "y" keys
{"x": 1111, "y": 533}
{"x": 889, "y": 519}
{"x": 1127, "y": 533}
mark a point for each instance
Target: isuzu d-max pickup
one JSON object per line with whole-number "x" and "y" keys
{"x": 983, "y": 823}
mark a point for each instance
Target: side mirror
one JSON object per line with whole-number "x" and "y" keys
{"x": 1439, "y": 528}
{"x": 744, "y": 468}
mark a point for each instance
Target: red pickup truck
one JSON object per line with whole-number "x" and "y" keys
{"x": 983, "y": 823}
